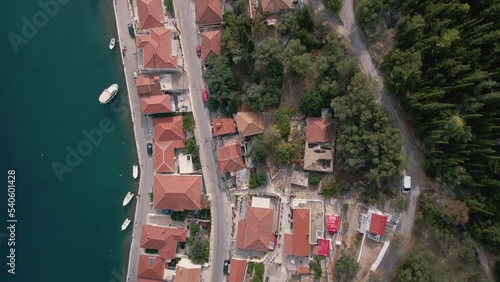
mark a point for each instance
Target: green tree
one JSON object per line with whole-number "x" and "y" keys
{"x": 258, "y": 150}
{"x": 421, "y": 266}
{"x": 313, "y": 180}
{"x": 305, "y": 18}
{"x": 333, "y": 5}
{"x": 301, "y": 64}
{"x": 197, "y": 252}
{"x": 310, "y": 104}
{"x": 329, "y": 188}
{"x": 346, "y": 266}
{"x": 188, "y": 122}
{"x": 190, "y": 147}
{"x": 283, "y": 116}
{"x": 287, "y": 24}
{"x": 402, "y": 69}
{"x": 254, "y": 95}
{"x": 222, "y": 85}
{"x": 178, "y": 215}
{"x": 266, "y": 51}
{"x": 262, "y": 179}
{"x": 411, "y": 30}
{"x": 285, "y": 153}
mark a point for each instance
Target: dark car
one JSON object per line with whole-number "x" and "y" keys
{"x": 150, "y": 149}
{"x": 226, "y": 266}
{"x": 198, "y": 51}
{"x": 131, "y": 30}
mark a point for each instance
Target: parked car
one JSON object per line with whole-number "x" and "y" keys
{"x": 204, "y": 95}
{"x": 198, "y": 51}
{"x": 405, "y": 184}
{"x": 131, "y": 30}
{"x": 150, "y": 149}
{"x": 226, "y": 266}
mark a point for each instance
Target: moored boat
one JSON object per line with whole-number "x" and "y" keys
{"x": 125, "y": 224}
{"x": 127, "y": 199}
{"x": 112, "y": 43}
{"x": 108, "y": 94}
{"x": 135, "y": 171}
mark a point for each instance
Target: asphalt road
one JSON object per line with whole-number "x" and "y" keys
{"x": 358, "y": 44}
{"x": 142, "y": 129}
{"x": 220, "y": 209}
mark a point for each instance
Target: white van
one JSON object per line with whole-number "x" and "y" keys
{"x": 405, "y": 184}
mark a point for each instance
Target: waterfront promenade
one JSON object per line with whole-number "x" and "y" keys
{"x": 142, "y": 132}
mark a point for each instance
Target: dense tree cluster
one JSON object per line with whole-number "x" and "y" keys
{"x": 367, "y": 143}
{"x": 346, "y": 266}
{"x": 333, "y": 5}
{"x": 421, "y": 266}
{"x": 446, "y": 70}
{"x": 222, "y": 84}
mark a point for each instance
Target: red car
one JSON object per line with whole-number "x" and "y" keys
{"x": 198, "y": 51}
{"x": 204, "y": 94}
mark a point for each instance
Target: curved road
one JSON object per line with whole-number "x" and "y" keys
{"x": 220, "y": 208}
{"x": 358, "y": 45}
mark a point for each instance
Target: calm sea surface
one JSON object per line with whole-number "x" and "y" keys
{"x": 68, "y": 223}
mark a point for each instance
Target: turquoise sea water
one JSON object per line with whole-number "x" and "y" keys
{"x": 68, "y": 229}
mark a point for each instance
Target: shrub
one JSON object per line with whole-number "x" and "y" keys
{"x": 178, "y": 215}
{"x": 313, "y": 180}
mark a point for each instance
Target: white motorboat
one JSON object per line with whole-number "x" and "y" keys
{"x": 127, "y": 199}
{"x": 108, "y": 94}
{"x": 135, "y": 171}
{"x": 125, "y": 224}
{"x": 112, "y": 44}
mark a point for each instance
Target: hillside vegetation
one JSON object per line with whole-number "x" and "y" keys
{"x": 446, "y": 71}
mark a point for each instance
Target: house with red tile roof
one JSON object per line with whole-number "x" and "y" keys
{"x": 223, "y": 126}
{"x": 157, "y": 50}
{"x": 163, "y": 239}
{"x": 276, "y": 5}
{"x": 210, "y": 43}
{"x": 230, "y": 158}
{"x": 156, "y": 104}
{"x": 250, "y": 123}
{"x": 238, "y": 270}
{"x": 151, "y": 267}
{"x": 168, "y": 129}
{"x": 177, "y": 192}
{"x": 319, "y": 130}
{"x": 297, "y": 243}
{"x": 208, "y": 12}
{"x": 376, "y": 223}
{"x": 164, "y": 155}
{"x": 256, "y": 231}
{"x": 185, "y": 271}
{"x": 318, "y": 153}
{"x": 150, "y": 14}
{"x": 148, "y": 85}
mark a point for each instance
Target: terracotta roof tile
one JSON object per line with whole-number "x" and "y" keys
{"x": 156, "y": 104}
{"x": 297, "y": 243}
{"x": 148, "y": 85}
{"x": 230, "y": 158}
{"x": 177, "y": 192}
{"x": 150, "y": 14}
{"x": 210, "y": 43}
{"x": 302, "y": 269}
{"x": 162, "y": 239}
{"x": 276, "y": 5}
{"x": 185, "y": 274}
{"x": 157, "y": 49}
{"x": 378, "y": 223}
{"x": 238, "y": 270}
{"x": 250, "y": 123}
{"x": 151, "y": 267}
{"x": 168, "y": 129}
{"x": 164, "y": 154}
{"x": 319, "y": 130}
{"x": 223, "y": 126}
{"x": 208, "y": 11}
{"x": 256, "y": 232}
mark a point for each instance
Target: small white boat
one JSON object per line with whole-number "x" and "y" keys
{"x": 125, "y": 224}
{"x": 108, "y": 94}
{"x": 135, "y": 171}
{"x": 112, "y": 44}
{"x": 127, "y": 199}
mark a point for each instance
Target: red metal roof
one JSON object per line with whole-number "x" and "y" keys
{"x": 324, "y": 247}
{"x": 332, "y": 222}
{"x": 378, "y": 223}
